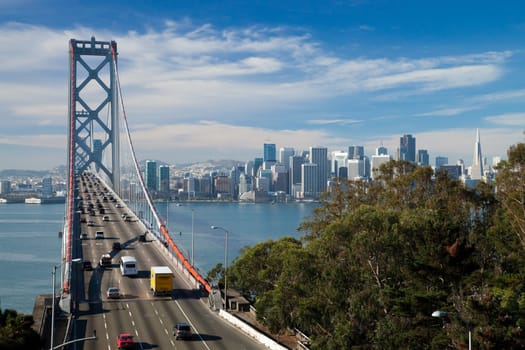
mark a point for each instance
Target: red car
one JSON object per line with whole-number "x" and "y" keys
{"x": 125, "y": 341}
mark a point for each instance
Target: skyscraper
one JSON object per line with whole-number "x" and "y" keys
{"x": 269, "y": 152}
{"x": 440, "y": 160}
{"x": 319, "y": 156}
{"x": 476, "y": 171}
{"x": 356, "y": 152}
{"x": 407, "y": 148}
{"x": 151, "y": 175}
{"x": 164, "y": 179}
{"x": 422, "y": 157}
{"x": 284, "y": 156}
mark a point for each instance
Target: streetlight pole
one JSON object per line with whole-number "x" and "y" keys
{"x": 192, "y": 237}
{"x": 54, "y": 273}
{"x": 441, "y": 314}
{"x": 225, "y": 265}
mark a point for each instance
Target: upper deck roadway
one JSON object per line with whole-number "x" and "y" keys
{"x": 150, "y": 319}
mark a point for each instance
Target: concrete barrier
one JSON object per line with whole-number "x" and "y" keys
{"x": 252, "y": 332}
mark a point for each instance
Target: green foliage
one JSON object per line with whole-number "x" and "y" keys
{"x": 378, "y": 258}
{"x": 16, "y": 331}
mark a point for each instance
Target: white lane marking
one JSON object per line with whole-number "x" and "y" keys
{"x": 172, "y": 343}
{"x": 195, "y": 328}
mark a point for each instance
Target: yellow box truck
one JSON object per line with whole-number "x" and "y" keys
{"x": 161, "y": 280}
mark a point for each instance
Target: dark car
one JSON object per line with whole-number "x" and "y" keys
{"x": 182, "y": 331}
{"x": 86, "y": 265}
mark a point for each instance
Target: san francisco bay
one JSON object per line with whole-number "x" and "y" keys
{"x": 30, "y": 245}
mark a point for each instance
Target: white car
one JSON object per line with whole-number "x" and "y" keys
{"x": 113, "y": 293}
{"x": 99, "y": 235}
{"x": 83, "y": 236}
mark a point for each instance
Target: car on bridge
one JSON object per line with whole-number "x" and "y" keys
{"x": 113, "y": 293}
{"x": 125, "y": 341}
{"x": 182, "y": 331}
{"x": 86, "y": 265}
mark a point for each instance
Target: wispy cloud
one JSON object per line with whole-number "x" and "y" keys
{"x": 509, "y": 119}
{"x": 447, "y": 112}
{"x": 332, "y": 121}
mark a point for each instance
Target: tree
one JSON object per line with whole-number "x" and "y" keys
{"x": 16, "y": 331}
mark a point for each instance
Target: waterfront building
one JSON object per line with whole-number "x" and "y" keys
{"x": 263, "y": 181}
{"x": 5, "y": 187}
{"x": 222, "y": 186}
{"x": 319, "y": 156}
{"x": 270, "y": 152}
{"x": 280, "y": 178}
{"x": 407, "y": 148}
{"x": 245, "y": 184}
{"x": 47, "y": 187}
{"x": 164, "y": 179}
{"x": 151, "y": 175}
{"x": 422, "y": 157}
{"x": 310, "y": 181}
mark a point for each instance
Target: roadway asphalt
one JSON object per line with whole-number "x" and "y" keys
{"x": 150, "y": 319}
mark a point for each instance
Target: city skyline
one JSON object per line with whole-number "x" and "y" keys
{"x": 218, "y": 80}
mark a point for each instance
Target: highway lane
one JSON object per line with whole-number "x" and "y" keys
{"x": 150, "y": 319}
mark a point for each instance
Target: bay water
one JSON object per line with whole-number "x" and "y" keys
{"x": 30, "y": 245}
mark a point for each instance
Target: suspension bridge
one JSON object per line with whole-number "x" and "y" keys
{"x": 110, "y": 212}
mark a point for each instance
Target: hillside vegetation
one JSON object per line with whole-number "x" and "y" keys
{"x": 378, "y": 258}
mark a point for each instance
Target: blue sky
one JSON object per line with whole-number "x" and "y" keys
{"x": 217, "y": 79}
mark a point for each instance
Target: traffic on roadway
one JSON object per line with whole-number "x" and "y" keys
{"x": 118, "y": 304}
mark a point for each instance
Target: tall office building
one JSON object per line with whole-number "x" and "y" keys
{"x": 319, "y": 156}
{"x": 151, "y": 175}
{"x": 295, "y": 172}
{"x": 356, "y": 152}
{"x": 376, "y": 162}
{"x": 257, "y": 163}
{"x": 422, "y": 157}
{"x": 407, "y": 148}
{"x": 270, "y": 152}
{"x": 284, "y": 156}
{"x": 97, "y": 150}
{"x": 381, "y": 151}
{"x": 476, "y": 171}
{"x": 440, "y": 161}
{"x": 5, "y": 186}
{"x": 47, "y": 187}
{"x": 310, "y": 180}
{"x": 164, "y": 179}
{"x": 339, "y": 160}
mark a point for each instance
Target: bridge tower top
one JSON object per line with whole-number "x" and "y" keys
{"x": 93, "y": 130}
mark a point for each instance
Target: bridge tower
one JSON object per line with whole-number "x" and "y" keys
{"x": 93, "y": 132}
